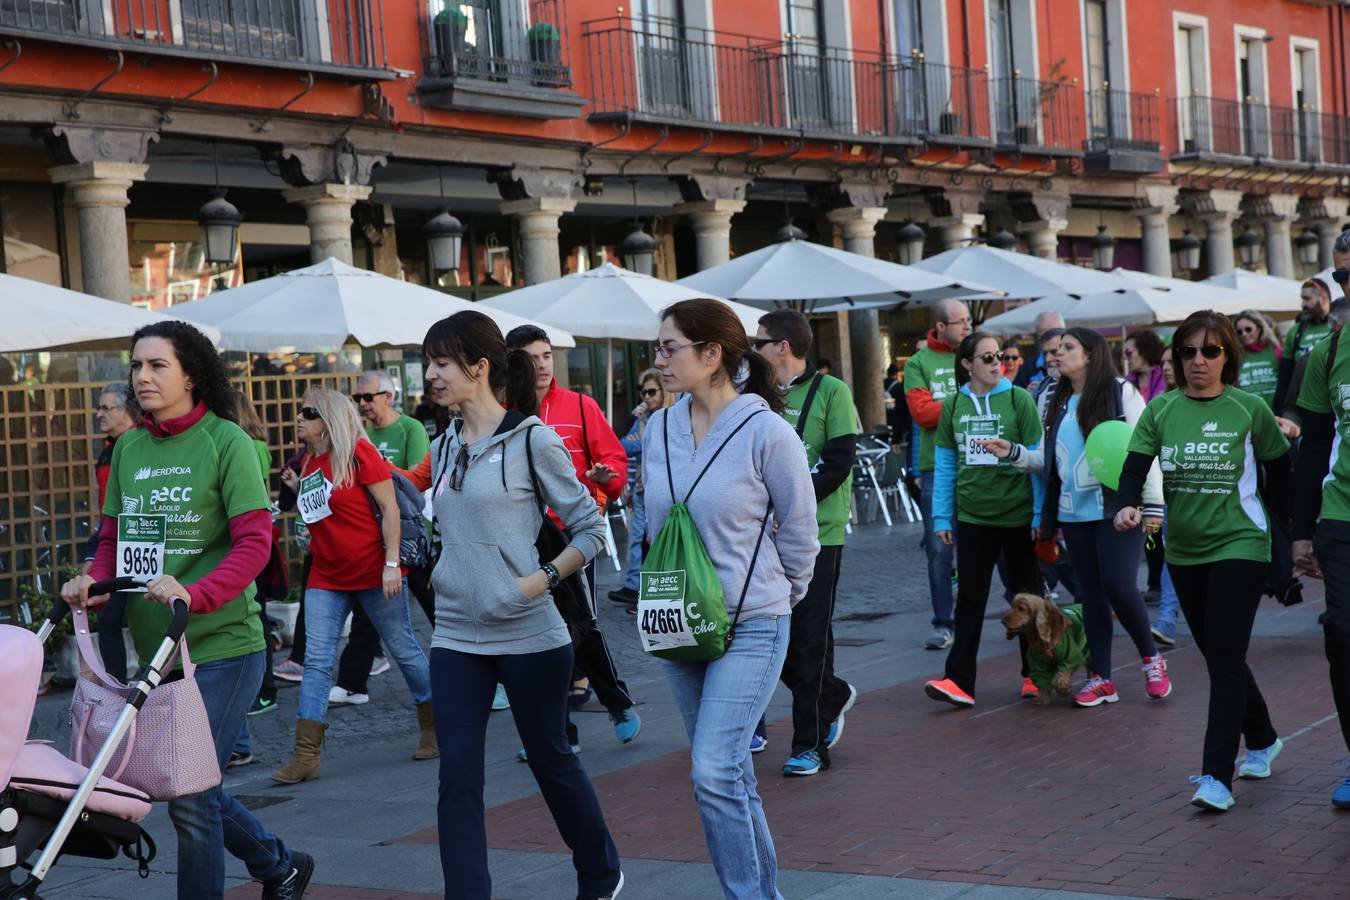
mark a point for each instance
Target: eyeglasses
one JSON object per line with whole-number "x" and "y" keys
{"x": 1246, "y": 329}
{"x": 761, "y": 343}
{"x": 369, "y": 398}
{"x": 650, "y": 392}
{"x": 957, "y": 322}
{"x": 310, "y": 413}
{"x": 988, "y": 358}
{"x": 1341, "y": 276}
{"x": 1209, "y": 351}
{"x": 666, "y": 352}
{"x": 108, "y": 409}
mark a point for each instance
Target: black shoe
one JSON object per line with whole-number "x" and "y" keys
{"x": 1293, "y": 595}
{"x": 238, "y": 759}
{"x": 262, "y": 705}
{"x": 625, "y": 595}
{"x": 610, "y": 896}
{"x": 294, "y": 884}
{"x": 1152, "y": 598}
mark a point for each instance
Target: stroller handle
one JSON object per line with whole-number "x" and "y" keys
{"x": 177, "y": 625}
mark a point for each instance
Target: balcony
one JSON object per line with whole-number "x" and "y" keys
{"x": 344, "y": 37}
{"x": 509, "y": 58}
{"x": 1248, "y": 133}
{"x": 1042, "y": 117}
{"x": 946, "y": 104}
{"x": 1123, "y": 133}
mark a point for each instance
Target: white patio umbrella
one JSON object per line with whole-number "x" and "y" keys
{"x": 324, "y": 306}
{"x": 1023, "y": 319}
{"x": 1020, "y": 274}
{"x": 607, "y": 302}
{"x": 1150, "y": 306}
{"x": 1258, "y": 287}
{"x": 819, "y": 278}
{"x": 39, "y": 316}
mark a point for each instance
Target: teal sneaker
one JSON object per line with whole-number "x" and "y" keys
{"x": 837, "y": 726}
{"x": 499, "y": 701}
{"x": 627, "y": 724}
{"x": 1340, "y": 798}
{"x": 1257, "y": 763}
{"x": 807, "y": 763}
{"x": 1211, "y": 794}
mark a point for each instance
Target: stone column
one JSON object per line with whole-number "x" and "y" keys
{"x": 98, "y": 191}
{"x": 1043, "y": 236}
{"x": 1218, "y": 209}
{"x": 1279, "y": 248}
{"x": 537, "y": 220}
{"x": 1330, "y": 228}
{"x": 328, "y": 213}
{"x": 959, "y": 230}
{"x": 859, "y": 225}
{"x": 1160, "y": 205}
{"x": 711, "y": 220}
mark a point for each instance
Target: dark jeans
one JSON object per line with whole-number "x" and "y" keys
{"x": 462, "y": 685}
{"x": 939, "y": 558}
{"x": 1107, "y": 565}
{"x": 980, "y": 546}
{"x": 1332, "y": 547}
{"x": 818, "y": 695}
{"x": 364, "y": 643}
{"x": 1219, "y": 601}
{"x": 111, "y": 645}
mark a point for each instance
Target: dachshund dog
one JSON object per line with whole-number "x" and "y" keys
{"x": 1056, "y": 642}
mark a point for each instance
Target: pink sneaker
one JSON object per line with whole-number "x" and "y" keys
{"x": 1156, "y": 682}
{"x": 1096, "y": 691}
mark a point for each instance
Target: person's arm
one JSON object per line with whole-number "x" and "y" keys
{"x": 1132, "y": 476}
{"x": 605, "y": 449}
{"x": 1285, "y": 375}
{"x": 419, "y": 475}
{"x": 1314, "y": 461}
{"x": 919, "y": 396}
{"x": 944, "y": 487}
{"x": 250, "y": 548}
{"x": 1152, "y": 491}
{"x": 568, "y": 498}
{"x": 391, "y": 532}
{"x": 840, "y": 448}
{"x": 782, "y": 466}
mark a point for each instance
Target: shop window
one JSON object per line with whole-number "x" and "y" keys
{"x": 31, "y": 243}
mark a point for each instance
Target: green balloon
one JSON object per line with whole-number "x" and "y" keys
{"x": 1105, "y": 451}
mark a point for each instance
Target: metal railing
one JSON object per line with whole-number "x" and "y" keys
{"x": 1037, "y": 114}
{"x": 946, "y": 103}
{"x": 1207, "y": 126}
{"x": 311, "y": 34}
{"x": 1121, "y": 120}
{"x": 490, "y": 41}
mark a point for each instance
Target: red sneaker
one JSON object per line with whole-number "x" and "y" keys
{"x": 1156, "y": 682}
{"x": 1096, "y": 691}
{"x": 1029, "y": 689}
{"x": 947, "y": 691}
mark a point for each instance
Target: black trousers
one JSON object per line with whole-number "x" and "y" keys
{"x": 593, "y": 661}
{"x": 109, "y": 620}
{"x": 818, "y": 695}
{"x": 1155, "y": 554}
{"x": 364, "y": 643}
{"x": 1219, "y": 601}
{"x": 978, "y": 547}
{"x": 1332, "y": 547}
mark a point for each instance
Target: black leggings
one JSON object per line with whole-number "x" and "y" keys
{"x": 1219, "y": 600}
{"x": 1106, "y": 563}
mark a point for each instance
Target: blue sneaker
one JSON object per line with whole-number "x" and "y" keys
{"x": 1211, "y": 794}
{"x": 499, "y": 701}
{"x": 807, "y": 763}
{"x": 758, "y": 743}
{"x": 1165, "y": 631}
{"x": 837, "y": 726}
{"x": 1340, "y": 798}
{"x": 1257, "y": 763}
{"x": 627, "y": 724}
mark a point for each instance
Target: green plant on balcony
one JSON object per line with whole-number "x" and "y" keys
{"x": 545, "y": 43}
{"x": 451, "y": 27}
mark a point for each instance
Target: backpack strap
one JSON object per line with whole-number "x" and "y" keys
{"x": 716, "y": 454}
{"x": 745, "y": 588}
{"x": 806, "y": 404}
{"x": 529, "y": 459}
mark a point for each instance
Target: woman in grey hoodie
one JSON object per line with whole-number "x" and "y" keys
{"x": 730, "y": 409}
{"x": 495, "y": 617}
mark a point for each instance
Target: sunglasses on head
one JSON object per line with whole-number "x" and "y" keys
{"x": 650, "y": 392}
{"x": 368, "y": 398}
{"x": 310, "y": 412}
{"x": 1341, "y": 276}
{"x": 987, "y": 358}
{"x": 1209, "y": 351}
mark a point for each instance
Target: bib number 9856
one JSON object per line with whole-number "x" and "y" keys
{"x": 140, "y": 546}
{"x": 140, "y": 561}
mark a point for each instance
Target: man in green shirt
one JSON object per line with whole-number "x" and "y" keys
{"x": 821, "y": 408}
{"x": 1310, "y": 327}
{"x": 930, "y": 378}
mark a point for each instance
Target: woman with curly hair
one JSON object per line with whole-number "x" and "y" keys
{"x": 192, "y": 471}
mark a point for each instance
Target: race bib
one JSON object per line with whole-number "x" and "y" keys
{"x": 980, "y": 427}
{"x": 661, "y": 614}
{"x": 140, "y": 546}
{"x": 315, "y": 492}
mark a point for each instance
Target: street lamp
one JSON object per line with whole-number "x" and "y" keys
{"x": 1003, "y": 239}
{"x": 638, "y": 250}
{"x": 1249, "y": 247}
{"x": 788, "y": 232}
{"x": 911, "y": 243}
{"x": 219, "y": 220}
{"x": 445, "y": 236}
{"x": 1103, "y": 250}
{"x": 1307, "y": 246}
{"x": 1186, "y": 256}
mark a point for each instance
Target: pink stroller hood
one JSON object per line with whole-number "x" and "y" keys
{"x": 20, "y": 673}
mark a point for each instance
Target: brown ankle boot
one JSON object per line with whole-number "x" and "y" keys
{"x": 426, "y": 747}
{"x": 304, "y": 765}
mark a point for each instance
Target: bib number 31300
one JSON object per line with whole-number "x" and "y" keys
{"x": 315, "y": 493}
{"x": 661, "y": 614}
{"x": 140, "y": 546}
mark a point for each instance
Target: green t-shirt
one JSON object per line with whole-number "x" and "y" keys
{"x": 1298, "y": 344}
{"x": 1207, "y": 451}
{"x": 937, "y": 372}
{"x": 989, "y": 491}
{"x": 1317, "y": 395}
{"x": 264, "y": 458}
{"x": 1259, "y": 373}
{"x": 405, "y": 443}
{"x": 831, "y": 415}
{"x": 198, "y": 481}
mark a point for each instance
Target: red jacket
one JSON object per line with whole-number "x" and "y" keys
{"x": 563, "y": 411}
{"x": 922, "y": 407}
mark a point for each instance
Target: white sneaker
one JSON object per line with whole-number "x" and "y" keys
{"x": 379, "y": 666}
{"x": 339, "y": 696}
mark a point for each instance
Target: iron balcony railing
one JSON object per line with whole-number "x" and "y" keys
{"x": 1207, "y": 126}
{"x": 1120, "y": 120}
{"x": 488, "y": 40}
{"x": 1040, "y": 115}
{"x": 946, "y": 103}
{"x": 346, "y": 35}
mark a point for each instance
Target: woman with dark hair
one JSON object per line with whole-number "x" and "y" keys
{"x": 193, "y": 472}
{"x": 996, "y": 507}
{"x": 725, "y": 437}
{"x": 496, "y": 622}
{"x": 1209, "y": 438}
{"x": 1105, "y": 563}
{"x": 1143, "y": 359}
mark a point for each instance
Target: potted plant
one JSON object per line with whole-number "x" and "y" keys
{"x": 545, "y": 52}
{"x": 451, "y": 26}
{"x": 949, "y": 123}
{"x": 60, "y": 651}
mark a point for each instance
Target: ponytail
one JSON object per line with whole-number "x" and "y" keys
{"x": 762, "y": 381}
{"x": 518, "y": 387}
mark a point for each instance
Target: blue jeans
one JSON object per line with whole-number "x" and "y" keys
{"x": 637, "y": 532}
{"x": 722, "y": 701}
{"x": 1168, "y": 605}
{"x": 939, "y": 559}
{"x": 325, "y": 611}
{"x": 212, "y": 822}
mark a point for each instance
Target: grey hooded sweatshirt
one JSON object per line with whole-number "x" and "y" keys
{"x": 764, "y": 461}
{"x": 488, "y": 529}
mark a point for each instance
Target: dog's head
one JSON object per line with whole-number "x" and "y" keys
{"x": 1037, "y": 618}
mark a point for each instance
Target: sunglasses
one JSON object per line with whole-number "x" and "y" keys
{"x": 650, "y": 392}
{"x": 311, "y": 413}
{"x": 1246, "y": 329}
{"x": 1012, "y": 357}
{"x": 761, "y": 343}
{"x": 460, "y": 468}
{"x": 988, "y": 358}
{"x": 1209, "y": 351}
{"x": 1341, "y": 276}
{"x": 368, "y": 398}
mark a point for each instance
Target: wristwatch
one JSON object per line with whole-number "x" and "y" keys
{"x": 392, "y": 565}
{"x": 551, "y": 573}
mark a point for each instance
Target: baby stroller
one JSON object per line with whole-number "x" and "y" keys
{"x": 49, "y": 801}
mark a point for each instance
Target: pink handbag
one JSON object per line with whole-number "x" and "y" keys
{"x": 169, "y": 752}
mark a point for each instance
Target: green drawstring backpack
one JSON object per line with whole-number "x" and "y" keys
{"x": 682, "y": 615}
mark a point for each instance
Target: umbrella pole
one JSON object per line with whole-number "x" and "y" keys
{"x": 609, "y": 379}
